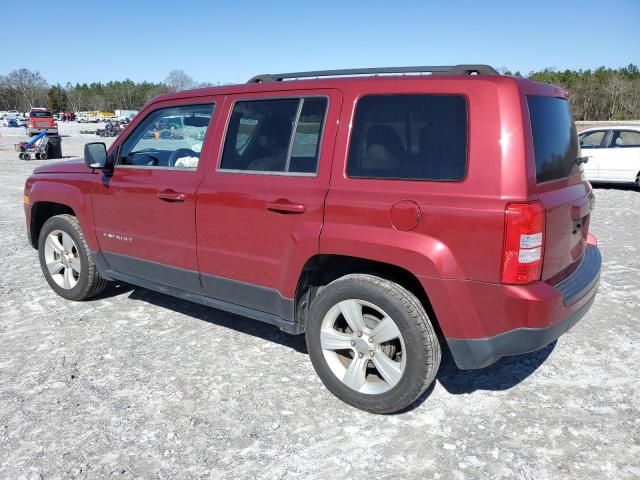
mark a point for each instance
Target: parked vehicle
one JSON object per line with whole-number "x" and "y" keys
{"x": 369, "y": 213}
{"x": 105, "y": 116}
{"x": 125, "y": 115}
{"x": 87, "y": 117}
{"x": 41, "y": 119}
{"x": 613, "y": 154}
{"x": 11, "y": 123}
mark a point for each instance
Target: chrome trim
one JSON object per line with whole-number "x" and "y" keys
{"x": 294, "y": 129}
{"x": 155, "y": 167}
{"x": 262, "y": 172}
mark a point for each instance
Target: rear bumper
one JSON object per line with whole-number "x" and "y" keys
{"x": 492, "y": 321}
{"x": 35, "y": 130}
{"x": 480, "y": 353}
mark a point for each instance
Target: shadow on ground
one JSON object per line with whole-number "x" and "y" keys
{"x": 614, "y": 186}
{"x": 506, "y": 373}
{"x": 218, "y": 317}
{"x": 502, "y": 375}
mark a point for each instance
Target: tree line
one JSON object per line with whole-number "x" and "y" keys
{"x": 600, "y": 94}
{"x": 23, "y": 89}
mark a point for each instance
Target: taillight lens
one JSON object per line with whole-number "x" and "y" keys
{"x": 523, "y": 243}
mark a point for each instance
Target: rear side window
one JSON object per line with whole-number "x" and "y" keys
{"x": 412, "y": 137}
{"x": 625, "y": 138}
{"x": 555, "y": 140}
{"x": 280, "y": 136}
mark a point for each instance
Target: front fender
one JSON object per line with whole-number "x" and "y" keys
{"x": 75, "y": 196}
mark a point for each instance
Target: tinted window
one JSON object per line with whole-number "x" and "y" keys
{"x": 40, "y": 114}
{"x": 168, "y": 138}
{"x": 625, "y": 138}
{"x": 415, "y": 137}
{"x": 591, "y": 139}
{"x": 275, "y": 135}
{"x": 555, "y": 140}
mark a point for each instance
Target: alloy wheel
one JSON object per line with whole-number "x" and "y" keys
{"x": 363, "y": 346}
{"x": 62, "y": 259}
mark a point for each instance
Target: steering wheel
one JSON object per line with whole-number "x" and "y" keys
{"x": 179, "y": 153}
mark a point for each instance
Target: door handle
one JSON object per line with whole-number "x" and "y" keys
{"x": 285, "y": 206}
{"x": 171, "y": 196}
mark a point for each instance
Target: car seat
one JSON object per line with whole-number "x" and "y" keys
{"x": 384, "y": 151}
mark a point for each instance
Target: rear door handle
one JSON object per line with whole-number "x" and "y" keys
{"x": 285, "y": 206}
{"x": 171, "y": 196}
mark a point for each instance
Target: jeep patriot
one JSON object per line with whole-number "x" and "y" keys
{"x": 381, "y": 212}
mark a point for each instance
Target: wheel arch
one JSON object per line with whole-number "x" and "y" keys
{"x": 322, "y": 269}
{"x": 41, "y": 212}
{"x": 50, "y": 196}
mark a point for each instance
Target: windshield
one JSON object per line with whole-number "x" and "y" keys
{"x": 555, "y": 140}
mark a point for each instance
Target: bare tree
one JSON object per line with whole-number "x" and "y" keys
{"x": 178, "y": 80}
{"x": 31, "y": 87}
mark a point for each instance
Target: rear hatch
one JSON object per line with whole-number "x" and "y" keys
{"x": 41, "y": 119}
{"x": 565, "y": 195}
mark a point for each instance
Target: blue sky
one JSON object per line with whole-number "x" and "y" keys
{"x": 234, "y": 40}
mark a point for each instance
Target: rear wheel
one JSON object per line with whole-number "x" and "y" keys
{"x": 66, "y": 259}
{"x": 26, "y": 156}
{"x": 372, "y": 343}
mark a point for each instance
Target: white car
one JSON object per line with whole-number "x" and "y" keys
{"x": 614, "y": 154}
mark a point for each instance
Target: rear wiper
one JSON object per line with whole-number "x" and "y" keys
{"x": 580, "y": 160}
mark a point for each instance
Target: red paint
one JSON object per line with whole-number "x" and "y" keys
{"x": 261, "y": 229}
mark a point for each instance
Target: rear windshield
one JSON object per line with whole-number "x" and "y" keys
{"x": 555, "y": 140}
{"x": 40, "y": 114}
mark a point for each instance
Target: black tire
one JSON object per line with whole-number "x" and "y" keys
{"x": 37, "y": 155}
{"x": 26, "y": 156}
{"x": 422, "y": 348}
{"x": 89, "y": 281}
{"x": 43, "y": 156}
{"x": 21, "y": 156}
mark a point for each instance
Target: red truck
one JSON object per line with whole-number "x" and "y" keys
{"x": 41, "y": 119}
{"x": 381, "y": 215}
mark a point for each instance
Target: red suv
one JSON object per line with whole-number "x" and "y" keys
{"x": 380, "y": 215}
{"x": 41, "y": 119}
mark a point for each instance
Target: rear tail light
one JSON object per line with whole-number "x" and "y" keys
{"x": 523, "y": 243}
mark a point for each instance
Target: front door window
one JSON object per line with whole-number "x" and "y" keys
{"x": 168, "y": 138}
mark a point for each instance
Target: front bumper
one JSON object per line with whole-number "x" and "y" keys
{"x": 502, "y": 320}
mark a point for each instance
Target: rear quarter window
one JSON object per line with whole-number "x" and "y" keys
{"x": 409, "y": 137}
{"x": 555, "y": 140}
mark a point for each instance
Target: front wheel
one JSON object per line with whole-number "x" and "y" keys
{"x": 372, "y": 343}
{"x": 66, "y": 259}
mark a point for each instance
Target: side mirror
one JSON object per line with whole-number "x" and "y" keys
{"x": 95, "y": 155}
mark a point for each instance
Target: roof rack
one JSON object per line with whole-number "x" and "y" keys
{"x": 437, "y": 69}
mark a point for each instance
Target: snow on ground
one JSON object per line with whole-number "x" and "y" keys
{"x": 135, "y": 384}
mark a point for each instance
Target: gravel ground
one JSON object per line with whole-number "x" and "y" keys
{"x": 135, "y": 384}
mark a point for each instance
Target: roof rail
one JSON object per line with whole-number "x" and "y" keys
{"x": 437, "y": 69}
